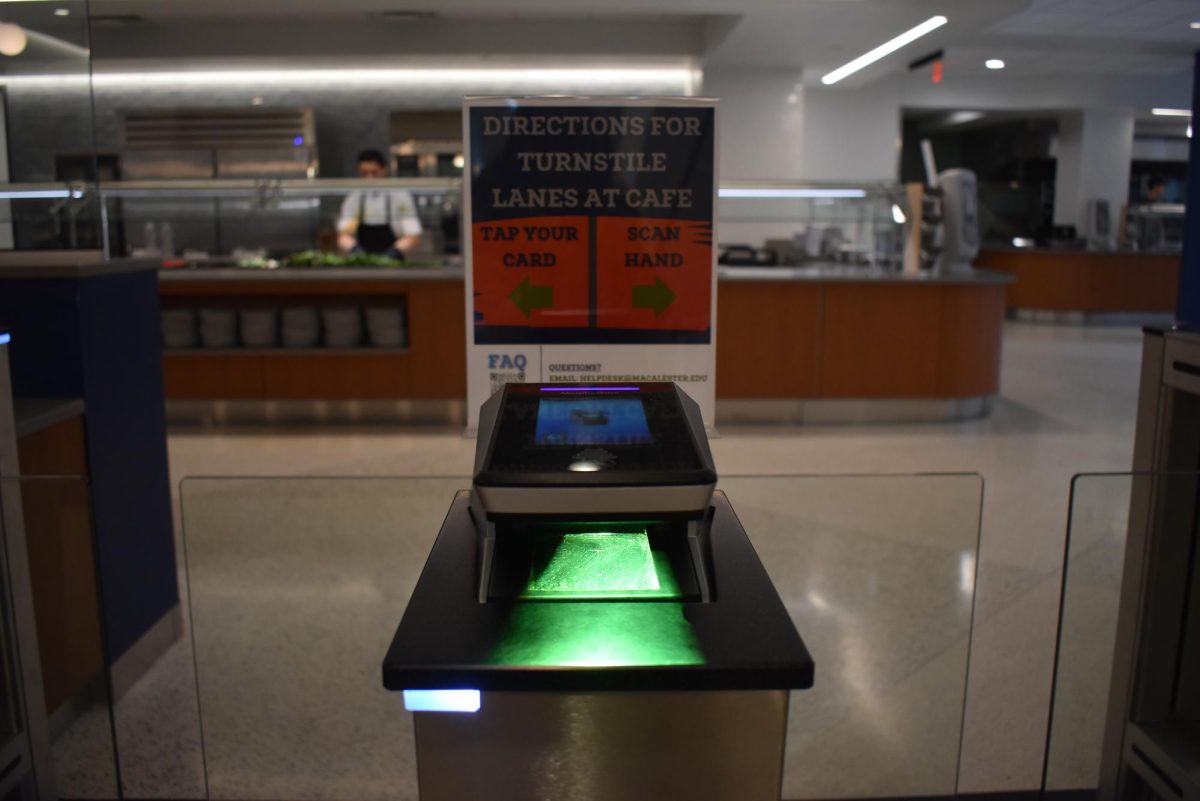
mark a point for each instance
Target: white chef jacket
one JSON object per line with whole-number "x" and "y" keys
{"x": 372, "y": 207}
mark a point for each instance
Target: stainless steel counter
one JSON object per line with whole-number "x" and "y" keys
{"x": 840, "y": 273}
{"x": 822, "y": 273}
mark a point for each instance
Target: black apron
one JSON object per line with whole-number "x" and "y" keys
{"x": 375, "y": 238}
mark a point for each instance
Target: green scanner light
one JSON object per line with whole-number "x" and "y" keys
{"x": 598, "y": 634}
{"x": 595, "y": 565}
{"x": 602, "y": 580}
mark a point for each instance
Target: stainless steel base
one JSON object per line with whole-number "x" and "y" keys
{"x": 702, "y": 746}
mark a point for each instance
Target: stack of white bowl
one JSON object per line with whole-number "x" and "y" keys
{"x": 218, "y": 328}
{"x": 385, "y": 326}
{"x": 260, "y": 327}
{"x": 301, "y": 327}
{"x": 343, "y": 326}
{"x": 179, "y": 328}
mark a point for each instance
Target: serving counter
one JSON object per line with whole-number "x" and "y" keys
{"x": 827, "y": 342}
{"x": 1087, "y": 281}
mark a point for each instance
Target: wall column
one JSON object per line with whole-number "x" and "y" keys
{"x": 1095, "y": 149}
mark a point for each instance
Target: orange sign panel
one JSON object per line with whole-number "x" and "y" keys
{"x": 653, "y": 274}
{"x": 531, "y": 272}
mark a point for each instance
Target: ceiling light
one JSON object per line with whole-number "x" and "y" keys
{"x": 1195, "y": 26}
{"x": 62, "y": 12}
{"x": 994, "y": 64}
{"x": 1170, "y": 112}
{"x": 12, "y": 39}
{"x": 884, "y": 49}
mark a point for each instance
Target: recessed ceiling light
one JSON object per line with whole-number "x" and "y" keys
{"x": 994, "y": 64}
{"x": 62, "y": 12}
{"x": 1170, "y": 112}
{"x": 890, "y": 46}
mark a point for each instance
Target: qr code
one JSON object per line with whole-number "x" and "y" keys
{"x": 498, "y": 380}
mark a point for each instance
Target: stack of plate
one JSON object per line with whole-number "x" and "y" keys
{"x": 301, "y": 327}
{"x": 385, "y": 326}
{"x": 260, "y": 327}
{"x": 218, "y": 328}
{"x": 179, "y": 328}
{"x": 343, "y": 326}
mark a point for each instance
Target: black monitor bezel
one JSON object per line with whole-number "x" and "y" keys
{"x": 684, "y": 437}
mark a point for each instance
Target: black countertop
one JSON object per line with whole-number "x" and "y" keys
{"x": 744, "y": 640}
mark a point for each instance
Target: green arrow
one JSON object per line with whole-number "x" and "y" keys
{"x": 657, "y": 296}
{"x": 528, "y": 297}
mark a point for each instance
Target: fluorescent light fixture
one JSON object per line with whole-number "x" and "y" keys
{"x": 994, "y": 64}
{"x": 1171, "y": 112}
{"x": 37, "y": 194}
{"x": 441, "y": 700}
{"x": 770, "y": 192}
{"x": 5, "y": 339}
{"x": 963, "y": 117}
{"x": 62, "y": 12}
{"x": 560, "y": 77}
{"x": 898, "y": 215}
{"x": 890, "y": 46}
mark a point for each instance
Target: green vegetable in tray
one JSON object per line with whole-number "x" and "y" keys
{"x": 321, "y": 258}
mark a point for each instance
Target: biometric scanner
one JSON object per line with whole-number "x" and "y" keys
{"x": 592, "y": 621}
{"x": 593, "y": 492}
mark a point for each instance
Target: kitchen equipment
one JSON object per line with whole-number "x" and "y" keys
{"x": 259, "y": 327}
{"x": 179, "y": 328}
{"x": 385, "y": 326}
{"x": 300, "y": 327}
{"x": 218, "y": 328}
{"x": 343, "y": 326}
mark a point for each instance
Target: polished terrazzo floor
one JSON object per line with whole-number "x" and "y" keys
{"x": 296, "y": 587}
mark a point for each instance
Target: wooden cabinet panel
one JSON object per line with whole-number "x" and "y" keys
{"x": 880, "y": 341}
{"x": 768, "y": 339}
{"x": 437, "y": 339}
{"x": 212, "y": 375}
{"x": 336, "y": 375}
{"x": 971, "y": 334}
{"x": 58, "y": 530}
{"x": 1088, "y": 281}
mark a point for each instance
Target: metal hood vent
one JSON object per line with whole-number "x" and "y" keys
{"x": 217, "y": 129}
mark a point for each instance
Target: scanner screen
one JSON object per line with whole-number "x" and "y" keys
{"x": 591, "y": 421}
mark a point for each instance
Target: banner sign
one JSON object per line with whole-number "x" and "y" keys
{"x": 589, "y": 243}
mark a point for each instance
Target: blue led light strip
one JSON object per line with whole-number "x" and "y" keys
{"x": 441, "y": 700}
{"x": 590, "y": 389}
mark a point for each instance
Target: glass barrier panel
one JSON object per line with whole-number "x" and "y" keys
{"x": 1091, "y": 592}
{"x": 878, "y": 573}
{"x": 296, "y": 586}
{"x": 52, "y": 628}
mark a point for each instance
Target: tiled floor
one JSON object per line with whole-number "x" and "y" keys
{"x": 876, "y": 572}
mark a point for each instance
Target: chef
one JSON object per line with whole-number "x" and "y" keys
{"x": 380, "y": 221}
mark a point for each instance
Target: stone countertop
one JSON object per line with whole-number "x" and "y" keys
{"x": 823, "y": 273}
{"x": 312, "y": 274}
{"x": 67, "y": 264}
{"x": 840, "y": 273}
